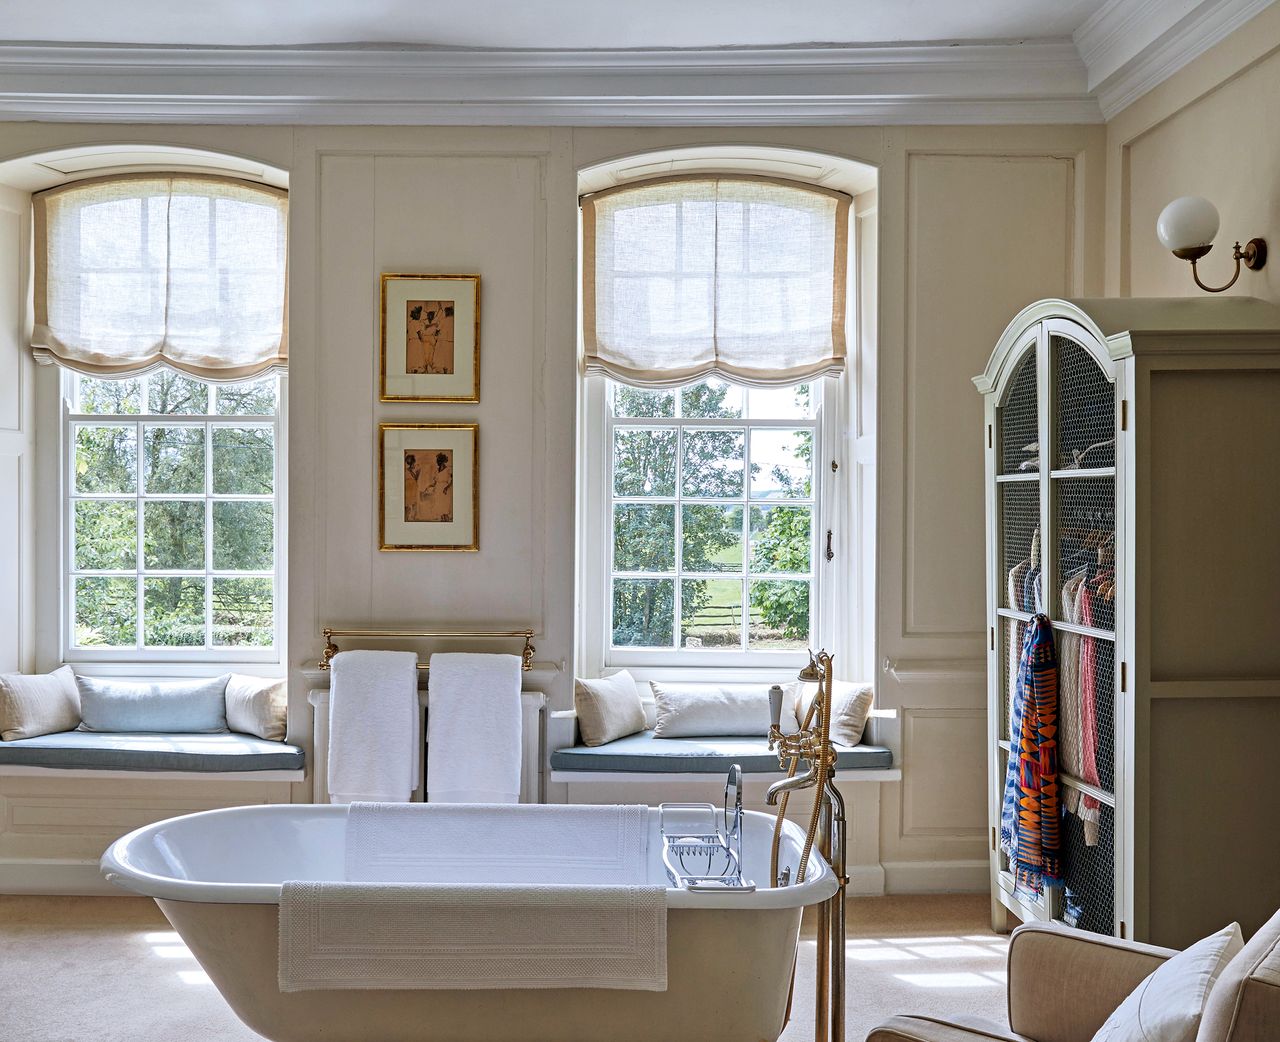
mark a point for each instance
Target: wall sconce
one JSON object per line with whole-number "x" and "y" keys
{"x": 1187, "y": 226}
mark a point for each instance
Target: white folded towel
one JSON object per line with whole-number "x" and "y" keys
{"x": 409, "y": 936}
{"x": 473, "y": 729}
{"x": 375, "y": 740}
{"x": 481, "y": 844}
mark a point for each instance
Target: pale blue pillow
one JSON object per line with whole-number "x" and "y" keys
{"x": 172, "y": 707}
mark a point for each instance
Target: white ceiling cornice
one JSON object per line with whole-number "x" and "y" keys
{"x": 1132, "y": 46}
{"x": 1004, "y": 82}
{"x": 1124, "y": 50}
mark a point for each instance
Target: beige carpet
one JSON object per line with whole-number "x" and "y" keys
{"x": 111, "y": 970}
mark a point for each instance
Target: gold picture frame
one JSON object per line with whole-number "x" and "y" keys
{"x": 428, "y": 489}
{"x": 429, "y": 344}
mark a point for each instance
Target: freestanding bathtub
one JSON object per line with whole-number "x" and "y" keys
{"x": 216, "y": 875}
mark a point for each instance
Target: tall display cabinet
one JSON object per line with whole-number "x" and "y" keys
{"x": 1133, "y": 496}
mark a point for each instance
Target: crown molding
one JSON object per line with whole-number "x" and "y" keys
{"x": 1131, "y": 46}
{"x": 943, "y": 83}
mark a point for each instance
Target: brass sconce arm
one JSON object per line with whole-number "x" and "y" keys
{"x": 1253, "y": 255}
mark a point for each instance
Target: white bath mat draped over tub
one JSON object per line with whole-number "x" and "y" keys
{"x": 473, "y": 729}
{"x": 375, "y": 739}
{"x": 481, "y": 844}
{"x": 413, "y": 936}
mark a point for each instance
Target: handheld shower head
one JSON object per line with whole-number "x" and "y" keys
{"x": 813, "y": 672}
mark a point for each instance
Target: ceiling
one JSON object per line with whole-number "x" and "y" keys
{"x": 553, "y": 24}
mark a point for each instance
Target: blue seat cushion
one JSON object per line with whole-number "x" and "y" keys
{"x": 152, "y": 752}
{"x": 644, "y": 754}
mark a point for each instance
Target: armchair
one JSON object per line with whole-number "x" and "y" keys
{"x": 1064, "y": 984}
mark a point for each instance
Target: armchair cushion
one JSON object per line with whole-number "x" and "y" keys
{"x": 928, "y": 1029}
{"x": 1168, "y": 1004}
{"x": 1244, "y": 1005}
{"x": 1064, "y": 983}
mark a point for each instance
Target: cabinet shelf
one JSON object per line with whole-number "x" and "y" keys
{"x": 1065, "y": 627}
{"x": 1081, "y": 472}
{"x": 1101, "y": 795}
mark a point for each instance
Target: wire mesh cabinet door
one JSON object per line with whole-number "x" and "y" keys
{"x": 1084, "y": 591}
{"x": 1015, "y": 415}
{"x": 1051, "y": 440}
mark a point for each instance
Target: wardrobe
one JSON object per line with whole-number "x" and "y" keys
{"x": 1133, "y": 496}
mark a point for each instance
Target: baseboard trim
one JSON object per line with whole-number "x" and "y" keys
{"x": 865, "y": 880}
{"x": 69, "y": 878}
{"x": 937, "y": 877}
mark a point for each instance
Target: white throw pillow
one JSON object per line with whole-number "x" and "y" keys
{"x": 608, "y": 708}
{"x": 711, "y": 710}
{"x": 1167, "y": 1005}
{"x": 34, "y": 705}
{"x": 258, "y": 706}
{"x": 850, "y": 707}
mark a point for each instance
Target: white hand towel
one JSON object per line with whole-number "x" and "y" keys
{"x": 473, "y": 729}
{"x": 374, "y": 736}
{"x": 403, "y": 936}
{"x": 481, "y": 844}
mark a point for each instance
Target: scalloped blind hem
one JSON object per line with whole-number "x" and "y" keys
{"x": 597, "y": 366}
{"x": 98, "y": 366}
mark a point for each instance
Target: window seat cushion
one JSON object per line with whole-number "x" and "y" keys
{"x": 643, "y": 754}
{"x": 85, "y": 750}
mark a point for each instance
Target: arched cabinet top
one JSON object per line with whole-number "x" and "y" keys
{"x": 1022, "y": 333}
{"x": 1118, "y": 327}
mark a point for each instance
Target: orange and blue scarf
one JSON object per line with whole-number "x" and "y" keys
{"x": 1031, "y": 811}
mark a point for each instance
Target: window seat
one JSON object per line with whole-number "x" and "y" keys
{"x": 194, "y": 753}
{"x": 644, "y": 754}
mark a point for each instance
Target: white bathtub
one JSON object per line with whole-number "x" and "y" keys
{"x": 217, "y": 875}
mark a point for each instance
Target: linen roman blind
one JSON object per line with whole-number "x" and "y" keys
{"x": 741, "y": 277}
{"x": 144, "y": 270}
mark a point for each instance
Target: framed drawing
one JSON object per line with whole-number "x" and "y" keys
{"x": 430, "y": 350}
{"x": 429, "y": 486}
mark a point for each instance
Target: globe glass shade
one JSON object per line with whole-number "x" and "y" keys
{"x": 1187, "y": 223}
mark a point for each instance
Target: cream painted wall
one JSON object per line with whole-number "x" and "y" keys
{"x": 497, "y": 202}
{"x": 16, "y": 441}
{"x": 972, "y": 224}
{"x": 1208, "y": 130}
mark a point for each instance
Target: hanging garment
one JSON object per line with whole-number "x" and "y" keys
{"x": 1070, "y": 739}
{"x": 1090, "y": 809}
{"x": 1013, "y": 592}
{"x": 1017, "y": 631}
{"x": 1014, "y": 583}
{"x": 1030, "y": 818}
{"x": 1031, "y": 599}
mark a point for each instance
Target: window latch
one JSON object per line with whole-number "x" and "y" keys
{"x": 830, "y": 553}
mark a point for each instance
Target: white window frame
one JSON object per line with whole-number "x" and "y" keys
{"x": 828, "y": 598}
{"x": 144, "y": 661}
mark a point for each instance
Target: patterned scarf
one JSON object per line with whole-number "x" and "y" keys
{"x": 1031, "y": 812}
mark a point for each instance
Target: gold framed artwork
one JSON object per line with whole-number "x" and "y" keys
{"x": 430, "y": 340}
{"x": 429, "y": 486}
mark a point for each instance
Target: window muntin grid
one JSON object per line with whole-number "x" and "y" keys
{"x": 218, "y": 470}
{"x": 703, "y": 466}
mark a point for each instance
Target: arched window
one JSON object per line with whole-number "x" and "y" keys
{"x": 162, "y": 298}
{"x": 713, "y": 331}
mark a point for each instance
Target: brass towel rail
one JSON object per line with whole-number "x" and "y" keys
{"x": 331, "y": 649}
